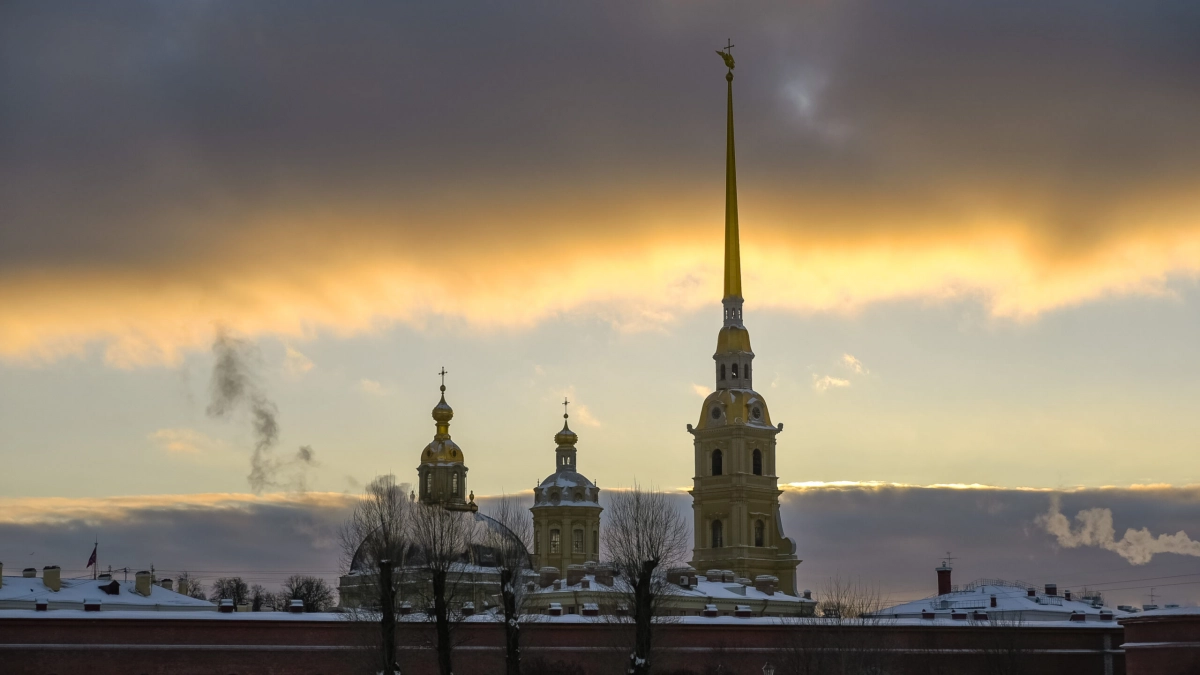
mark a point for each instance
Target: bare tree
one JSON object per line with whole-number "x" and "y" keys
{"x": 844, "y": 640}
{"x": 644, "y": 535}
{"x": 511, "y": 546}
{"x": 230, "y": 588}
{"x": 374, "y": 541}
{"x": 314, "y": 592}
{"x": 261, "y": 599}
{"x": 193, "y": 588}
{"x": 442, "y": 541}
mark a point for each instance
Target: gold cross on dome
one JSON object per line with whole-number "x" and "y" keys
{"x": 565, "y": 402}
{"x": 443, "y": 373}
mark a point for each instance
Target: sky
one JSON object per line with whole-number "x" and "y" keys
{"x": 970, "y": 240}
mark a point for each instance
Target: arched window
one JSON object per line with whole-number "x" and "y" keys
{"x": 554, "y": 541}
{"x": 454, "y": 484}
{"x": 716, "y": 463}
{"x": 537, "y": 541}
{"x": 747, "y": 371}
{"x": 428, "y": 483}
{"x": 734, "y": 368}
{"x": 758, "y": 533}
{"x": 718, "y": 534}
{"x": 757, "y": 462}
{"x": 577, "y": 541}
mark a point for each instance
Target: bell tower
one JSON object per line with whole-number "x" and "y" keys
{"x": 442, "y": 475}
{"x": 735, "y": 492}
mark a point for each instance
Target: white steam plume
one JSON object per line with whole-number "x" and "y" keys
{"x": 1096, "y": 529}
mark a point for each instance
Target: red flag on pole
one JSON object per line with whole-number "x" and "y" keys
{"x": 92, "y": 560}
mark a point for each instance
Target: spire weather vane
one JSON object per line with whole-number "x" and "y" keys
{"x": 726, "y": 54}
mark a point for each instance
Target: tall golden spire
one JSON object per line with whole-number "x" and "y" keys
{"x": 733, "y": 256}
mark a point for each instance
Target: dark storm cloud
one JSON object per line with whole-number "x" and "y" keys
{"x": 127, "y": 126}
{"x": 890, "y": 536}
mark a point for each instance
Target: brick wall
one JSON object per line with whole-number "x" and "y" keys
{"x": 235, "y": 645}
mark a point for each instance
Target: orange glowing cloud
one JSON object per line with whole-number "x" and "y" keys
{"x": 344, "y": 279}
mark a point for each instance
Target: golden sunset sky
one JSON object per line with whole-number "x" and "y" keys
{"x": 970, "y": 238}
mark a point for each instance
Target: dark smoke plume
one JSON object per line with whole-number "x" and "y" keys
{"x": 234, "y": 386}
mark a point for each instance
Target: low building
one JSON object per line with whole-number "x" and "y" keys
{"x": 1162, "y": 641}
{"x": 51, "y": 592}
{"x": 1001, "y": 600}
{"x": 592, "y": 589}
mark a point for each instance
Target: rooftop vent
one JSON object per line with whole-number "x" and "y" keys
{"x": 555, "y": 609}
{"x": 1031, "y": 592}
{"x": 591, "y": 609}
{"x": 1051, "y": 589}
{"x": 1106, "y": 615}
{"x": 225, "y": 606}
{"x": 711, "y": 611}
{"x": 41, "y": 605}
{"x": 1078, "y": 616}
{"x": 91, "y": 605}
{"x": 296, "y": 606}
{"x": 742, "y": 611}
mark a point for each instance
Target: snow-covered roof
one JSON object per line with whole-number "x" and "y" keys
{"x": 1012, "y": 599}
{"x": 716, "y": 590}
{"x": 25, "y": 592}
{"x": 566, "y": 488}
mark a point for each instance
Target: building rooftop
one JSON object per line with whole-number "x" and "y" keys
{"x": 19, "y": 592}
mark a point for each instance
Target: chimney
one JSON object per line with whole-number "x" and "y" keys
{"x": 183, "y": 586}
{"x": 167, "y": 584}
{"x": 807, "y": 594}
{"x": 547, "y": 576}
{"x": 51, "y": 578}
{"x": 1067, "y": 595}
{"x": 141, "y": 583}
{"x": 29, "y": 573}
{"x": 575, "y": 573}
{"x": 943, "y": 573}
{"x": 765, "y": 583}
{"x": 1051, "y": 589}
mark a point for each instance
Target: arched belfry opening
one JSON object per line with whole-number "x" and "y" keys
{"x": 717, "y": 463}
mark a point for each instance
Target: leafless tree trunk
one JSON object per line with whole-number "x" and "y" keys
{"x": 512, "y": 561}
{"x": 374, "y": 542}
{"x": 643, "y": 536}
{"x": 442, "y": 542}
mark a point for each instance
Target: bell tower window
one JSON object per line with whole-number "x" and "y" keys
{"x": 454, "y": 484}
{"x": 722, "y": 371}
{"x": 716, "y": 463}
{"x": 757, "y": 461}
{"x": 734, "y": 369}
{"x": 747, "y": 369}
{"x": 718, "y": 534}
{"x": 428, "y": 483}
{"x": 758, "y": 533}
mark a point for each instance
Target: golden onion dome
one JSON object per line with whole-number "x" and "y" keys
{"x": 442, "y": 412}
{"x": 733, "y": 339}
{"x": 566, "y": 436}
{"x": 442, "y": 450}
{"x": 743, "y": 407}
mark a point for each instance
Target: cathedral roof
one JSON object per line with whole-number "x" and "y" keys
{"x": 734, "y": 407}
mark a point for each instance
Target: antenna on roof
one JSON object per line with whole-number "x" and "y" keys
{"x": 949, "y": 561}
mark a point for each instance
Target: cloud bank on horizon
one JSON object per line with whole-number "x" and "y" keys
{"x": 168, "y": 166}
{"x": 890, "y": 535}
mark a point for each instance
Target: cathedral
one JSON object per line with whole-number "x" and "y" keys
{"x": 737, "y": 529}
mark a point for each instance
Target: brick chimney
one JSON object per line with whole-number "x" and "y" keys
{"x": 943, "y": 573}
{"x": 141, "y": 583}
{"x": 1051, "y": 589}
{"x": 51, "y": 578}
